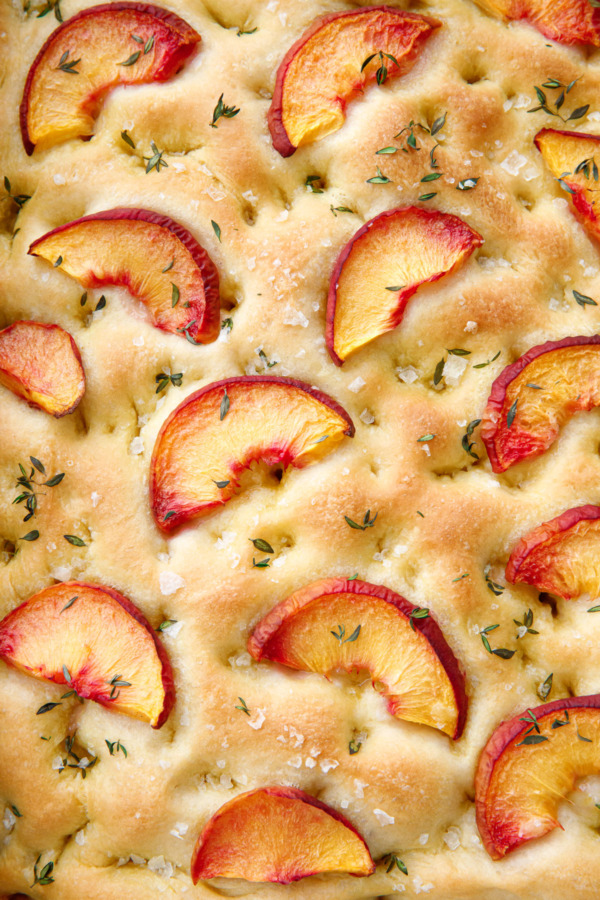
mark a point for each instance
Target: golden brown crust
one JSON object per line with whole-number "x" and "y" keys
{"x": 441, "y": 512}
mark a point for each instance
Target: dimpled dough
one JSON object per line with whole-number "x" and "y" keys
{"x": 128, "y": 830}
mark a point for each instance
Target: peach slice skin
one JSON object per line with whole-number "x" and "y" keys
{"x": 320, "y": 74}
{"x": 99, "y": 637}
{"x": 568, "y": 373}
{"x": 517, "y": 788}
{"x": 269, "y": 418}
{"x": 560, "y": 556}
{"x": 57, "y": 105}
{"x": 406, "y": 247}
{"x": 422, "y": 679}
{"x": 279, "y": 835}
{"x": 562, "y": 152}
{"x": 42, "y": 364}
{"x": 564, "y": 21}
{"x": 132, "y": 248}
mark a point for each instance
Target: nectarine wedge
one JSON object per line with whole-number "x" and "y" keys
{"x": 86, "y": 56}
{"x": 95, "y": 642}
{"x": 534, "y": 396}
{"x": 383, "y": 265}
{"x": 564, "y": 21}
{"x": 42, "y": 364}
{"x": 339, "y": 624}
{"x": 560, "y": 556}
{"x": 278, "y": 834}
{"x": 155, "y": 258}
{"x": 529, "y": 763}
{"x": 325, "y": 69}
{"x": 224, "y": 427}
{"x": 570, "y": 157}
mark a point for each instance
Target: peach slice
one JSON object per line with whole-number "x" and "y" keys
{"x": 564, "y": 21}
{"x": 339, "y": 624}
{"x": 155, "y": 258}
{"x": 97, "y": 643}
{"x": 278, "y": 834}
{"x": 323, "y": 71}
{"x": 529, "y": 763}
{"x": 42, "y": 364}
{"x": 223, "y": 428}
{"x": 383, "y": 265}
{"x": 86, "y": 56}
{"x": 566, "y": 154}
{"x": 560, "y": 556}
{"x": 534, "y": 396}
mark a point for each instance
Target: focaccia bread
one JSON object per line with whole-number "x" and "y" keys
{"x": 327, "y": 409}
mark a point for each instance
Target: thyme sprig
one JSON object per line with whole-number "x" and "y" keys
{"x": 553, "y": 84}
{"x": 222, "y": 111}
{"x": 162, "y": 380}
{"x": 45, "y": 875}
{"x": 382, "y": 71}
{"x": 27, "y": 485}
{"x": 156, "y": 160}
{"x": 68, "y": 65}
{"x": 19, "y": 199}
{"x": 367, "y": 522}
{"x": 392, "y": 860}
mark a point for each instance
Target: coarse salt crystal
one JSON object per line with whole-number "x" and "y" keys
{"x": 160, "y": 866}
{"x": 328, "y": 764}
{"x": 293, "y": 316}
{"x": 80, "y": 838}
{"x": 9, "y": 819}
{"x": 367, "y": 417}
{"x": 420, "y": 886}
{"x": 295, "y": 762}
{"x": 138, "y": 341}
{"x": 514, "y": 162}
{"x": 256, "y": 719}
{"x": 454, "y": 368}
{"x": 383, "y": 818}
{"x": 309, "y": 762}
{"x": 356, "y": 385}
{"x": 423, "y": 838}
{"x": 172, "y": 630}
{"x": 59, "y": 179}
{"x": 359, "y": 788}
{"x": 170, "y": 582}
{"x": 408, "y": 375}
{"x": 452, "y": 838}
{"x": 136, "y": 446}
{"x": 95, "y": 497}
{"x": 471, "y": 327}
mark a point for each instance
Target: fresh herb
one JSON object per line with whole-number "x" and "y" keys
{"x": 483, "y": 365}
{"x": 262, "y": 545}
{"x": 222, "y": 111}
{"x": 115, "y": 683}
{"x": 493, "y": 586}
{"x": 533, "y": 739}
{"x": 30, "y": 536}
{"x": 467, "y": 184}
{"x": 162, "y": 380}
{"x": 594, "y": 609}
{"x": 353, "y": 577}
{"x": 582, "y": 738}
{"x": 587, "y": 165}
{"x": 396, "y": 287}
{"x": 221, "y": 484}
{"x": 19, "y": 199}
{"x": 174, "y": 295}
{"x": 343, "y": 209}
{"x": 149, "y": 45}
{"x": 559, "y": 723}
{"x": 166, "y": 624}
{"x": 243, "y": 708}
{"x": 45, "y": 875}
{"x": 267, "y": 363}
{"x": 74, "y": 540}
{"x": 382, "y": 72}
{"x": 510, "y": 416}
{"x": 225, "y": 404}
{"x": 68, "y": 66}
{"x": 354, "y": 746}
{"x": 545, "y": 688}
{"x": 525, "y": 624}
{"x": 392, "y": 860}
{"x": 263, "y": 564}
{"x": 315, "y": 184}
{"x": 424, "y": 197}
{"x": 115, "y": 746}
{"x": 419, "y": 612}
{"x": 185, "y": 330}
{"x": 386, "y": 151}
{"x": 553, "y": 84}
{"x": 70, "y": 603}
{"x": 227, "y": 324}
{"x": 380, "y": 178}
{"x": 169, "y": 266}
{"x": 240, "y": 31}
{"x": 366, "y": 522}
{"x": 467, "y": 443}
{"x": 51, "y": 5}
{"x": 156, "y": 160}
{"x": 425, "y": 438}
{"x": 168, "y": 515}
{"x": 439, "y": 371}
{"x": 100, "y": 304}
{"x": 458, "y": 351}
{"x": 83, "y": 299}
{"x": 460, "y": 577}
{"x": 46, "y": 708}
{"x": 130, "y": 61}
{"x": 432, "y": 176}
{"x": 125, "y": 137}
{"x": 216, "y": 230}
{"x": 339, "y": 635}
{"x": 584, "y": 301}
{"x": 419, "y": 513}
{"x": 26, "y": 484}
{"x": 57, "y": 262}
{"x": 530, "y": 717}
{"x": 500, "y": 651}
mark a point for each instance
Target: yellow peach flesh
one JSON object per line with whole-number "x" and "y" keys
{"x": 41, "y": 364}
{"x": 267, "y": 836}
{"x": 96, "y": 639}
{"x": 326, "y": 72}
{"x": 276, "y": 422}
{"x": 562, "y": 153}
{"x": 402, "y": 250}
